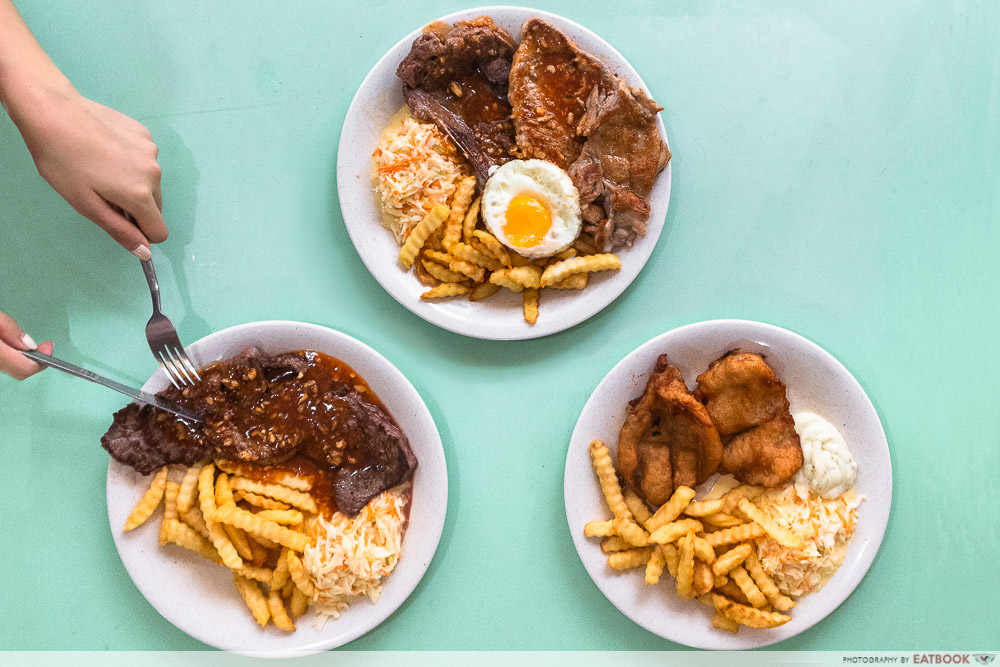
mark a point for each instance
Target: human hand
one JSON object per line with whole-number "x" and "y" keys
{"x": 102, "y": 162}
{"x": 12, "y": 339}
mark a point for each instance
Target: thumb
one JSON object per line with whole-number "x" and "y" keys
{"x": 111, "y": 220}
{"x": 13, "y": 335}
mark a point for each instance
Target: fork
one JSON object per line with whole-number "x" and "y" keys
{"x": 163, "y": 341}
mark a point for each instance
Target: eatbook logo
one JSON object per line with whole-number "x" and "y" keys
{"x": 985, "y": 658}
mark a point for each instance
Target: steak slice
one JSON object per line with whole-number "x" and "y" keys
{"x": 141, "y": 442}
{"x": 456, "y": 77}
{"x": 386, "y": 462}
{"x": 550, "y": 81}
{"x": 265, "y": 410}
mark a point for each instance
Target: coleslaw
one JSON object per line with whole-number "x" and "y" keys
{"x": 416, "y": 167}
{"x": 349, "y": 557}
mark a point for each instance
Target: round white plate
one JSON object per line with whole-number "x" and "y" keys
{"x": 499, "y": 317}
{"x": 198, "y": 596}
{"x": 817, "y": 383}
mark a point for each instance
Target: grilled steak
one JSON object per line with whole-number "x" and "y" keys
{"x": 550, "y": 81}
{"x": 456, "y": 77}
{"x": 266, "y": 410}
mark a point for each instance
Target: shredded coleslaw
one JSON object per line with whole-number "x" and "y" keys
{"x": 826, "y": 525}
{"x": 416, "y": 168}
{"x": 349, "y": 556}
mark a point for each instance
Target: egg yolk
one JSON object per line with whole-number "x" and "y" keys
{"x": 527, "y": 221}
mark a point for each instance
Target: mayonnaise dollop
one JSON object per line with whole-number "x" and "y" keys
{"x": 827, "y": 465}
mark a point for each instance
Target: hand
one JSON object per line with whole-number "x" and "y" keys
{"x": 102, "y": 162}
{"x": 12, "y": 339}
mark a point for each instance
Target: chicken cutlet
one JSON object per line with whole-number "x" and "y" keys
{"x": 668, "y": 439}
{"x": 747, "y": 404}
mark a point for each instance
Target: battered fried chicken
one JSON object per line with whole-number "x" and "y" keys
{"x": 668, "y": 439}
{"x": 747, "y": 404}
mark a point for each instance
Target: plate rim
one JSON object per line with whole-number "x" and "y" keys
{"x": 879, "y": 529}
{"x": 470, "y": 327}
{"x": 312, "y": 645}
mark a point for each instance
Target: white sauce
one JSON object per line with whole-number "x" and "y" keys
{"x": 827, "y": 465}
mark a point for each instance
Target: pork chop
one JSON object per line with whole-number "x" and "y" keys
{"x": 623, "y": 140}
{"x": 550, "y": 82}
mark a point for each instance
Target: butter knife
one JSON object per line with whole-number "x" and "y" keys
{"x": 141, "y": 396}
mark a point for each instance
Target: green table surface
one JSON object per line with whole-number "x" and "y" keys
{"x": 835, "y": 172}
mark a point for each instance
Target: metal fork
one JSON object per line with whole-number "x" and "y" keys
{"x": 163, "y": 340}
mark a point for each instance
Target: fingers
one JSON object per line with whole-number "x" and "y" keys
{"x": 12, "y": 340}
{"x": 126, "y": 234}
{"x": 146, "y": 213}
{"x": 13, "y": 335}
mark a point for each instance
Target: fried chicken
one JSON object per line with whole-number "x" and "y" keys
{"x": 668, "y": 439}
{"x": 747, "y": 403}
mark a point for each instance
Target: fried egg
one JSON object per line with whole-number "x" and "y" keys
{"x": 532, "y": 207}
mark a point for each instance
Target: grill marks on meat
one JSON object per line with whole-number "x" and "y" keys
{"x": 456, "y": 77}
{"x": 550, "y": 81}
{"x": 267, "y": 409}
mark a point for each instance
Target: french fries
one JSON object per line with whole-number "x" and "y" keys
{"x": 443, "y": 273}
{"x": 598, "y": 529}
{"x": 630, "y": 532}
{"x": 716, "y": 564}
{"x": 749, "y": 588}
{"x": 420, "y": 234}
{"x": 637, "y": 506}
{"x": 615, "y": 543}
{"x": 203, "y": 514}
{"x": 605, "y": 470}
{"x": 674, "y": 531}
{"x": 626, "y": 560}
{"x": 530, "y": 300}
{"x": 189, "y": 489}
{"x": 459, "y": 206}
{"x": 278, "y": 613}
{"x": 654, "y": 566}
{"x": 256, "y": 602}
{"x": 298, "y": 573}
{"x": 278, "y": 492}
{"x": 784, "y": 537}
{"x": 586, "y": 264}
{"x": 470, "y": 220}
{"x": 169, "y": 510}
{"x": 671, "y": 509}
{"x": 234, "y": 516}
{"x": 727, "y": 561}
{"x": 483, "y": 291}
{"x": 735, "y": 534}
{"x": 149, "y": 501}
{"x": 445, "y": 290}
{"x": 453, "y": 253}
{"x": 685, "y": 568}
{"x": 748, "y": 616}
{"x": 258, "y": 500}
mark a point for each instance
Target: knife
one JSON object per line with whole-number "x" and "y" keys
{"x": 141, "y": 396}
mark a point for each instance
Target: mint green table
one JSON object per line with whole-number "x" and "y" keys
{"x": 835, "y": 172}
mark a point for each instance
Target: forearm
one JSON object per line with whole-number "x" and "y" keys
{"x": 27, "y": 74}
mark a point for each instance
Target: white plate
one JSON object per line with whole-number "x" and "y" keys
{"x": 817, "y": 383}
{"x": 498, "y": 318}
{"x": 198, "y": 596}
